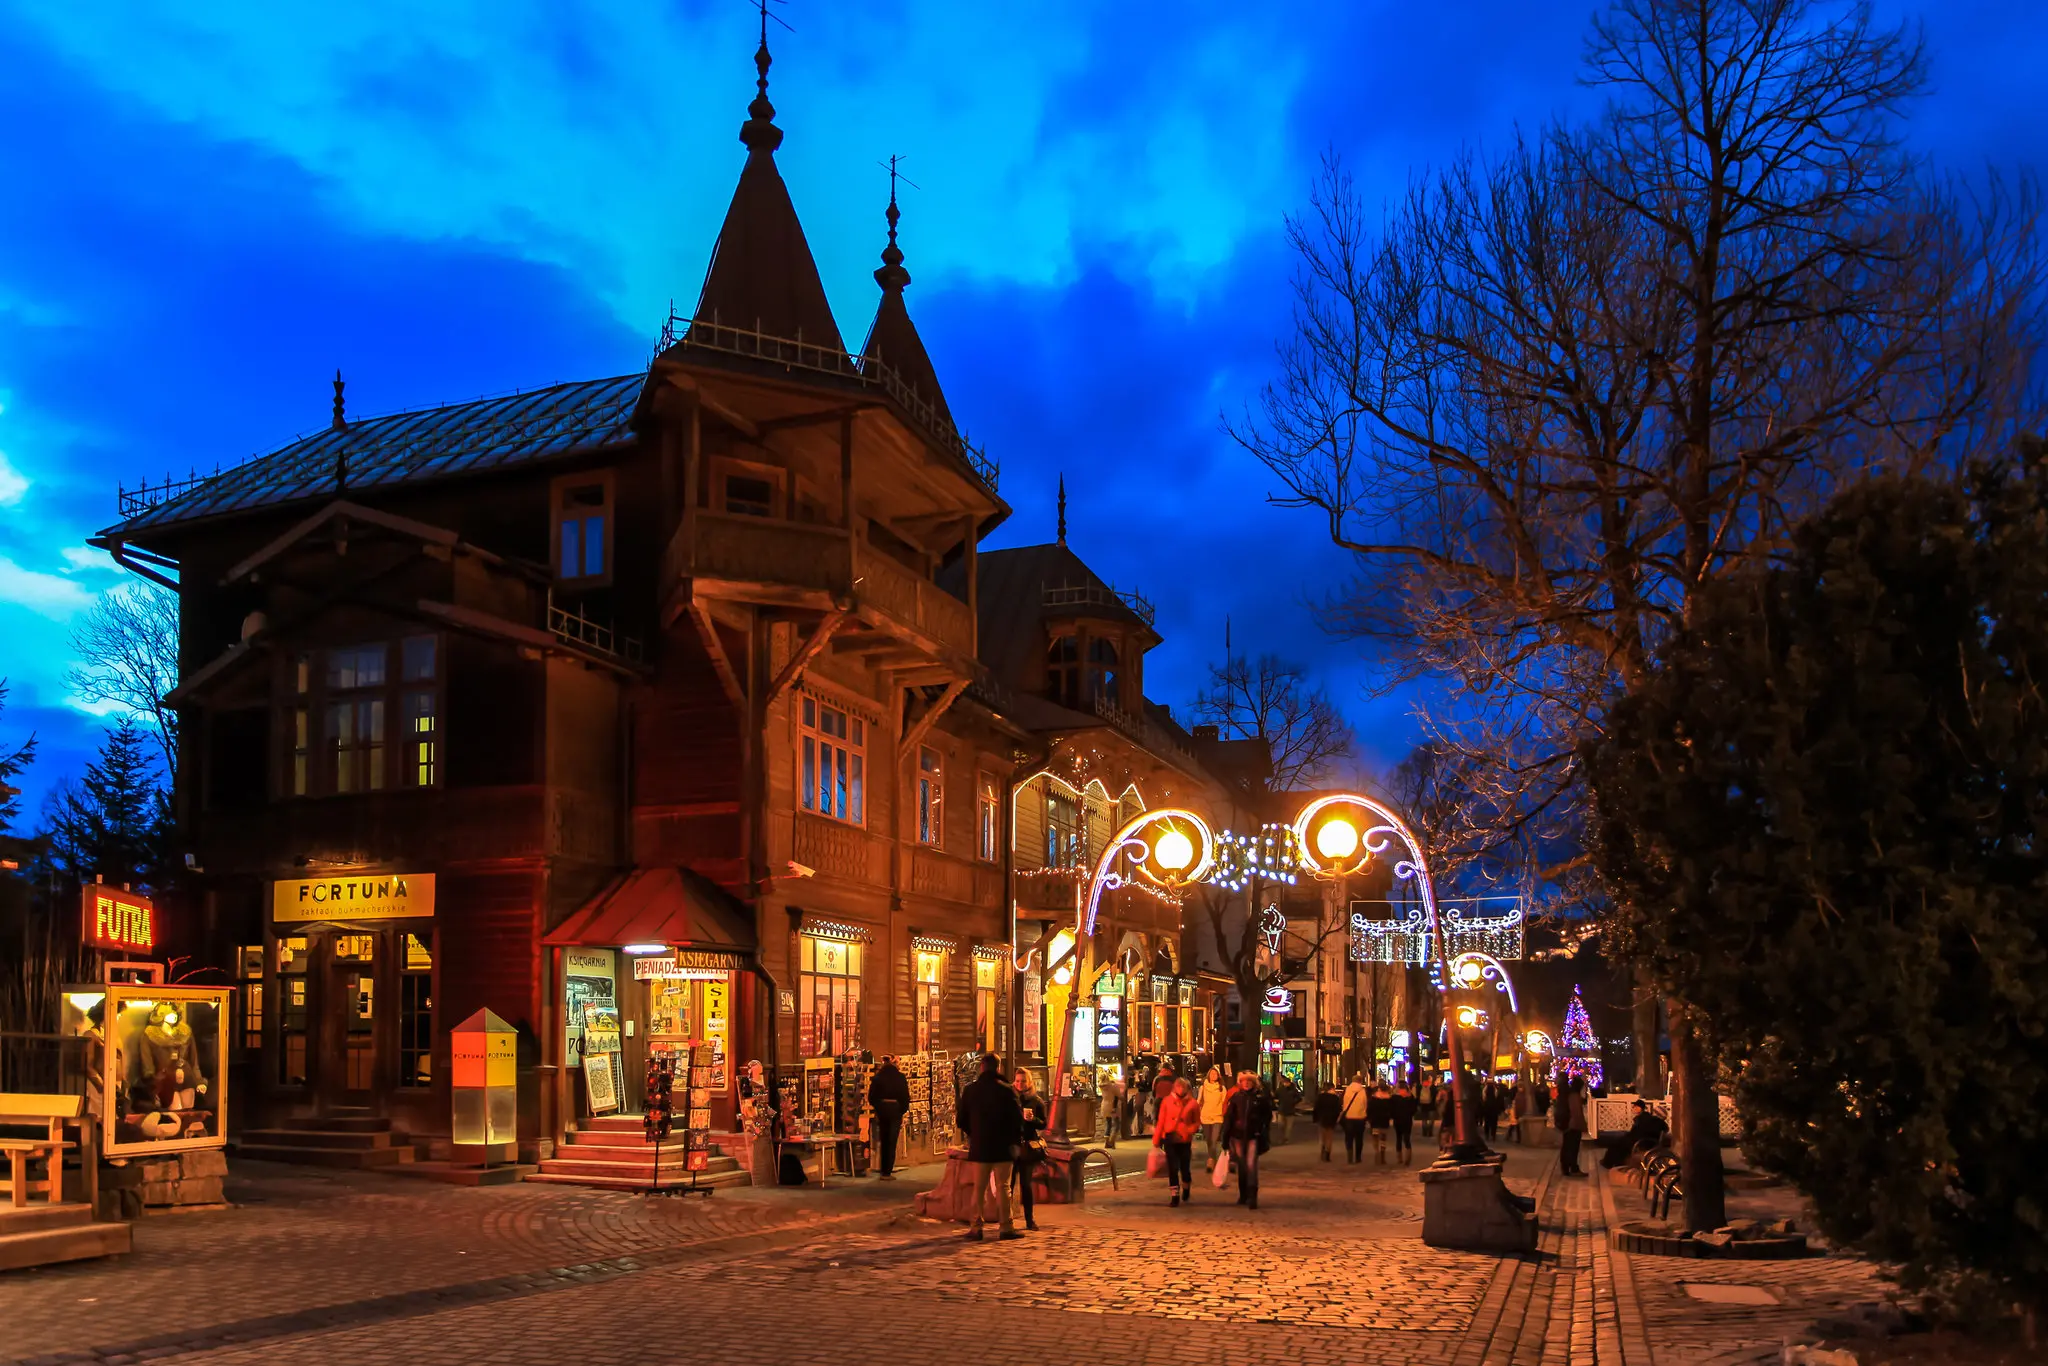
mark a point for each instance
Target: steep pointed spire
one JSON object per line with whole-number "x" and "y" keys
{"x": 759, "y": 131}
{"x": 762, "y": 277}
{"x": 1063, "y": 509}
{"x": 892, "y": 338}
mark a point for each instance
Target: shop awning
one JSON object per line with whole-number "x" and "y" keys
{"x": 660, "y": 906}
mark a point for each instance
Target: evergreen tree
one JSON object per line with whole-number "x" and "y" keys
{"x": 1578, "y": 1047}
{"x": 113, "y": 822}
{"x": 1830, "y": 795}
{"x": 12, "y": 763}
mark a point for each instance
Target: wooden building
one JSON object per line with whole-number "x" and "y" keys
{"x": 493, "y": 704}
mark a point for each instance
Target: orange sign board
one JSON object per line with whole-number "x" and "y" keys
{"x": 113, "y": 919}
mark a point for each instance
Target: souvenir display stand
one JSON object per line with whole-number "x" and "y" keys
{"x": 670, "y": 1071}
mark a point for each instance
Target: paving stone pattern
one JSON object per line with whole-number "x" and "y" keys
{"x": 368, "y": 1269}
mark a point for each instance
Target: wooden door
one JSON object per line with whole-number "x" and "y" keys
{"x": 355, "y": 1011}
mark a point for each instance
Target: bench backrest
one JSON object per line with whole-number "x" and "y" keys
{"x": 30, "y": 1107}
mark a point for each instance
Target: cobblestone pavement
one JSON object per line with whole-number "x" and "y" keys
{"x": 1331, "y": 1269}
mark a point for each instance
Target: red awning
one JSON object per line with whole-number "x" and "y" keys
{"x": 659, "y": 906}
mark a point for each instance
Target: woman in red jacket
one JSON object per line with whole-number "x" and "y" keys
{"x": 1180, "y": 1117}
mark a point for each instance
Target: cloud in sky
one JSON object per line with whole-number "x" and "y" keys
{"x": 446, "y": 198}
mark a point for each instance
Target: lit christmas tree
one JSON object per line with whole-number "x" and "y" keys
{"x": 1578, "y": 1051}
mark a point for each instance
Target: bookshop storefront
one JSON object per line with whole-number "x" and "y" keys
{"x": 659, "y": 963}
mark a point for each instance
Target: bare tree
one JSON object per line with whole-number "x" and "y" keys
{"x": 127, "y": 648}
{"x": 1563, "y": 387}
{"x": 1271, "y": 699}
{"x": 1268, "y": 699}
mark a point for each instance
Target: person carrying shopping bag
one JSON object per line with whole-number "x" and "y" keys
{"x": 1180, "y": 1115}
{"x": 1215, "y": 1092}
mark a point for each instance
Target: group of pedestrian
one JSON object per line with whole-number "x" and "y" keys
{"x": 1360, "y": 1109}
{"x": 1243, "y": 1127}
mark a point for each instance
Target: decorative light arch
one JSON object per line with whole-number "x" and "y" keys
{"x": 1022, "y": 958}
{"x": 1144, "y": 856}
{"x": 1471, "y": 970}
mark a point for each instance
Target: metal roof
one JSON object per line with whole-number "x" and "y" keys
{"x": 460, "y": 438}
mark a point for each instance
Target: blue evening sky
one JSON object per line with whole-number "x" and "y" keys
{"x": 205, "y": 209}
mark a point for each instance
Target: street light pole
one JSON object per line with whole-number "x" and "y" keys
{"x": 1180, "y": 854}
{"x": 1332, "y": 847}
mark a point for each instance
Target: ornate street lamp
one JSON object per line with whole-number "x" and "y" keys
{"x": 1171, "y": 849}
{"x": 1338, "y": 835}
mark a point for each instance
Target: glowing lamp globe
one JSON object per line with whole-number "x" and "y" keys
{"x": 1174, "y": 852}
{"x": 1337, "y": 838}
{"x": 1467, "y": 1016}
{"x": 1469, "y": 971}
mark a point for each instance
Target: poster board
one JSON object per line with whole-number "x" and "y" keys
{"x": 600, "y": 1083}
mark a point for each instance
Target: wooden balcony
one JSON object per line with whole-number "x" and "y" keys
{"x": 769, "y": 562}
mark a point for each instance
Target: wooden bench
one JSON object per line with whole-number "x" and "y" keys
{"x": 52, "y": 1113}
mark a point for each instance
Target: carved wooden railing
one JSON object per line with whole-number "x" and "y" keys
{"x": 763, "y": 550}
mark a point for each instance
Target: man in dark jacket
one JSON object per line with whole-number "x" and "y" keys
{"x": 889, "y": 1094}
{"x": 1247, "y": 1125}
{"x": 1325, "y": 1116}
{"x": 989, "y": 1115}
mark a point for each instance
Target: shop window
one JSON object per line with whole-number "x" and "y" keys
{"x": 829, "y": 997}
{"x": 927, "y": 990}
{"x": 583, "y": 529}
{"x": 931, "y": 796}
{"x": 832, "y": 761}
{"x": 988, "y": 816}
{"x": 293, "y": 1014}
{"x": 1063, "y": 832}
{"x": 416, "y": 1013}
{"x": 1063, "y": 671}
{"x": 250, "y": 960}
{"x": 988, "y": 1014}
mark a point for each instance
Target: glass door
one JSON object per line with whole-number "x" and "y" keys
{"x": 354, "y": 976}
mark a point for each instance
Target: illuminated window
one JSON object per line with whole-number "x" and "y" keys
{"x": 832, "y": 762}
{"x": 988, "y": 1015}
{"x": 292, "y": 1016}
{"x": 348, "y": 693}
{"x": 829, "y": 997}
{"x": 931, "y": 796}
{"x": 988, "y": 813}
{"x": 926, "y": 991}
{"x": 416, "y": 1012}
{"x": 250, "y": 959}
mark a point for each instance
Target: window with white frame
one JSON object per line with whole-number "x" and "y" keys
{"x": 832, "y": 761}
{"x": 931, "y": 795}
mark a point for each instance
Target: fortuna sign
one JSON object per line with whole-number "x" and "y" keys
{"x": 114, "y": 919}
{"x": 376, "y": 896}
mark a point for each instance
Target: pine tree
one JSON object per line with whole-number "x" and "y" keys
{"x": 1832, "y": 792}
{"x": 1578, "y": 1048}
{"x": 111, "y": 824}
{"x": 12, "y": 762}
